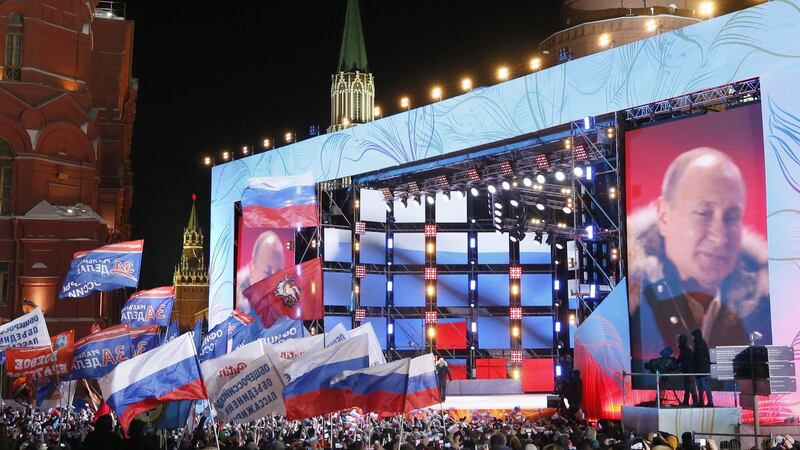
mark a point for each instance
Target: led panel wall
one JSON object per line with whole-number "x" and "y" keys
{"x": 338, "y": 245}
{"x": 332, "y": 321}
{"x": 536, "y": 289}
{"x": 337, "y": 288}
{"x": 493, "y": 333}
{"x": 409, "y": 334}
{"x": 531, "y": 252}
{"x": 453, "y": 210}
{"x": 451, "y": 334}
{"x": 373, "y": 206}
{"x": 492, "y": 248}
{"x": 373, "y": 290}
{"x": 451, "y": 248}
{"x": 452, "y": 290}
{"x": 409, "y": 248}
{"x": 373, "y": 248}
{"x": 537, "y": 332}
{"x": 379, "y": 326}
{"x": 409, "y": 214}
{"x": 493, "y": 289}
{"x": 409, "y": 290}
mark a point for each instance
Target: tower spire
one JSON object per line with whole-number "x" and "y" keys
{"x": 352, "y": 86}
{"x": 353, "y": 53}
{"x": 193, "y": 225}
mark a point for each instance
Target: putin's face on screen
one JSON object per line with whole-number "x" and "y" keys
{"x": 267, "y": 257}
{"x": 700, "y": 218}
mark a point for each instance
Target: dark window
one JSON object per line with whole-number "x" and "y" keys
{"x": 4, "y": 277}
{"x": 13, "y": 66}
{"x": 6, "y": 164}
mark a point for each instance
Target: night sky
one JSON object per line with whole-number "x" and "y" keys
{"x": 217, "y": 78}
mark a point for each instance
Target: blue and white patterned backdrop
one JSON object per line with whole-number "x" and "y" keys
{"x": 753, "y": 42}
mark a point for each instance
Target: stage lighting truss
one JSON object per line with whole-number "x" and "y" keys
{"x": 741, "y": 90}
{"x": 431, "y": 273}
{"x": 431, "y": 317}
{"x": 361, "y": 271}
{"x": 361, "y": 228}
{"x": 515, "y": 313}
{"x": 360, "y": 314}
{"x": 515, "y": 272}
{"x": 430, "y": 230}
{"x": 387, "y": 194}
{"x": 506, "y": 169}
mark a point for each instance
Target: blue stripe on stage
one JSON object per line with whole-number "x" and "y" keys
{"x": 320, "y": 377}
{"x": 293, "y": 196}
{"x": 156, "y": 384}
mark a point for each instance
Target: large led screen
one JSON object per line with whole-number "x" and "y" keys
{"x": 337, "y": 287}
{"x": 409, "y": 334}
{"x": 452, "y": 290}
{"x": 537, "y": 332}
{"x": 409, "y": 248}
{"x": 492, "y": 248}
{"x": 261, "y": 252}
{"x": 409, "y": 290}
{"x": 338, "y": 244}
{"x": 493, "y": 333}
{"x": 373, "y": 248}
{"x": 493, "y": 289}
{"x": 373, "y": 206}
{"x": 697, "y": 249}
{"x": 536, "y": 289}
{"x": 373, "y": 290}
{"x": 452, "y": 210}
{"x": 451, "y": 248}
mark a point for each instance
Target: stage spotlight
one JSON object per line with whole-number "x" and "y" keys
{"x": 567, "y": 210}
{"x": 431, "y": 332}
{"x": 474, "y": 191}
{"x": 527, "y": 182}
{"x": 416, "y": 201}
{"x": 514, "y": 203}
{"x": 560, "y": 176}
{"x": 503, "y": 73}
{"x": 559, "y": 245}
{"x": 491, "y": 189}
{"x": 429, "y": 198}
{"x": 506, "y": 185}
{"x": 515, "y": 374}
{"x": 537, "y": 237}
{"x": 540, "y": 179}
{"x": 515, "y": 331}
{"x": 578, "y": 171}
{"x": 706, "y": 9}
{"x": 404, "y": 202}
{"x": 446, "y": 195}
{"x": 498, "y": 205}
{"x": 456, "y": 194}
{"x": 540, "y": 207}
{"x": 466, "y": 84}
{"x": 498, "y": 213}
{"x": 473, "y": 220}
{"x": 498, "y": 219}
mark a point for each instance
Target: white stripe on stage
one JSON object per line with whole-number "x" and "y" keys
{"x": 479, "y": 402}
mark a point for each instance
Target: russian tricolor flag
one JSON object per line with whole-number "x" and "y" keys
{"x": 280, "y": 202}
{"x": 308, "y": 392}
{"x": 167, "y": 373}
{"x": 396, "y": 387}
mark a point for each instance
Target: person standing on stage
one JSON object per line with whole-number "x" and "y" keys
{"x": 702, "y": 364}
{"x": 686, "y": 364}
{"x": 442, "y": 373}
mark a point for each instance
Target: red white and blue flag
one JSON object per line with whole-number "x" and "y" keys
{"x": 98, "y": 353}
{"x": 294, "y": 292}
{"x": 103, "y": 269}
{"x": 280, "y": 202}
{"x": 168, "y": 373}
{"x": 149, "y": 307}
{"x": 308, "y": 390}
{"x": 392, "y": 388}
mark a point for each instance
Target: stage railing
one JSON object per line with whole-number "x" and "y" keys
{"x": 658, "y": 376}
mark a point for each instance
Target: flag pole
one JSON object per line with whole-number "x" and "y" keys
{"x": 210, "y": 404}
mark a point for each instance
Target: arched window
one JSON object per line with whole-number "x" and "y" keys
{"x": 6, "y": 164}
{"x": 13, "y": 66}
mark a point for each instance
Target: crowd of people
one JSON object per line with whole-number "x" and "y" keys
{"x": 432, "y": 430}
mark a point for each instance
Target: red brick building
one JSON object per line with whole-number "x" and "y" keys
{"x": 67, "y": 106}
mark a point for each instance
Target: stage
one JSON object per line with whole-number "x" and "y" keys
{"x": 643, "y": 420}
